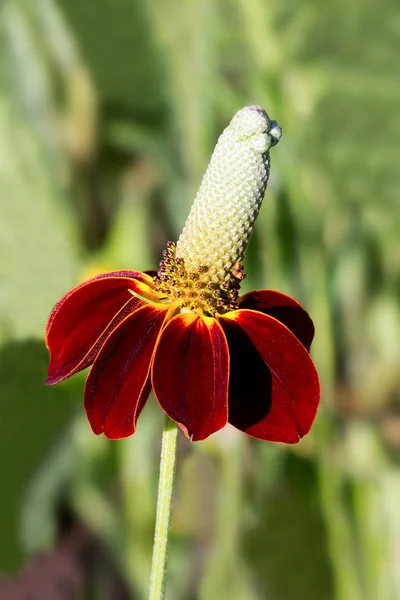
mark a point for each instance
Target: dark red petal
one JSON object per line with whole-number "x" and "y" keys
{"x": 284, "y": 308}
{"x": 190, "y": 374}
{"x": 274, "y": 388}
{"x": 83, "y": 318}
{"x": 118, "y": 384}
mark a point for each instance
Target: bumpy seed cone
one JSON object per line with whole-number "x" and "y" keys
{"x": 222, "y": 217}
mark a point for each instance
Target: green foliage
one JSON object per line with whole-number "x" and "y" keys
{"x": 288, "y": 546}
{"x": 37, "y": 261}
{"x": 117, "y": 41}
{"x": 108, "y": 113}
{"x": 32, "y": 419}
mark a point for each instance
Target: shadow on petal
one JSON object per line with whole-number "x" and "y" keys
{"x": 283, "y": 308}
{"x": 250, "y": 380}
{"x": 294, "y": 389}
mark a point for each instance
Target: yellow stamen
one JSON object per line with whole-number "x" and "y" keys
{"x": 163, "y": 300}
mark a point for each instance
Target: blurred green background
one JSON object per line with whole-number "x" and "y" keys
{"x": 109, "y": 110}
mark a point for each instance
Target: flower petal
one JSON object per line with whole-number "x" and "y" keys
{"x": 284, "y": 308}
{"x": 118, "y": 384}
{"x": 190, "y": 374}
{"x": 83, "y": 318}
{"x": 274, "y": 388}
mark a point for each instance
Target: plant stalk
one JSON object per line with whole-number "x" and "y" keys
{"x": 163, "y": 515}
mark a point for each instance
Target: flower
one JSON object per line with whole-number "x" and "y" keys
{"x": 210, "y": 356}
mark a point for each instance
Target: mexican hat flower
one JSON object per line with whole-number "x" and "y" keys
{"x": 212, "y": 357}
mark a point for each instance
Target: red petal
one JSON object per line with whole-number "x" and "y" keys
{"x": 190, "y": 374}
{"x": 118, "y": 384}
{"x": 83, "y": 318}
{"x": 284, "y": 308}
{"x": 274, "y": 389}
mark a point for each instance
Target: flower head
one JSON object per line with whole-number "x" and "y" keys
{"x": 210, "y": 356}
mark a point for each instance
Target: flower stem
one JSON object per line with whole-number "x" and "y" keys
{"x": 163, "y": 516}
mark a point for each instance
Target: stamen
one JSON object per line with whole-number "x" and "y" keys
{"x": 193, "y": 288}
{"x": 164, "y": 300}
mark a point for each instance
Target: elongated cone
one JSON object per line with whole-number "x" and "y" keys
{"x": 222, "y": 217}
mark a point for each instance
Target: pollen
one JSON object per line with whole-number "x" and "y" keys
{"x": 195, "y": 290}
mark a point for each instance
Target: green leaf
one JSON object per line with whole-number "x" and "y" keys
{"x": 32, "y": 417}
{"x": 288, "y": 549}
{"x": 117, "y": 42}
{"x": 37, "y": 258}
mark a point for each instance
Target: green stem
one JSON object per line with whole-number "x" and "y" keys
{"x": 163, "y": 517}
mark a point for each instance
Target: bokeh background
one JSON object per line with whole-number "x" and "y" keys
{"x": 109, "y": 110}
